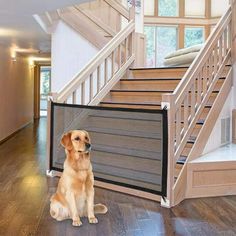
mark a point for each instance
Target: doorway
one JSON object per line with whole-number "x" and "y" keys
{"x": 42, "y": 89}
{"x": 45, "y": 88}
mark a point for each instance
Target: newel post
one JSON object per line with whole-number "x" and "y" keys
{"x": 168, "y": 103}
{"x": 51, "y": 98}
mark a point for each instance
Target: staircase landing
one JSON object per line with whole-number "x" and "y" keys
{"x": 213, "y": 174}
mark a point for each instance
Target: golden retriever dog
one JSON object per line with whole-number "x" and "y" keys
{"x": 74, "y": 197}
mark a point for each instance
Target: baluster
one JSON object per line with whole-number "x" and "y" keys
{"x": 225, "y": 42}
{"x": 74, "y": 98}
{"x": 112, "y": 63}
{"x": 220, "y": 50}
{"x": 204, "y": 81}
{"x": 186, "y": 112}
{"x": 91, "y": 87}
{"x": 126, "y": 50}
{"x": 199, "y": 89}
{"x": 215, "y": 60}
{"x": 210, "y": 68}
{"x": 193, "y": 100}
{"x": 105, "y": 72}
{"x": 229, "y": 36}
{"x": 83, "y": 93}
{"x": 130, "y": 45}
{"x": 119, "y": 57}
{"x": 98, "y": 79}
{"x": 178, "y": 127}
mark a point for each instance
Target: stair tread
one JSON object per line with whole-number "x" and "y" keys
{"x": 155, "y": 79}
{"x": 140, "y": 91}
{"x": 129, "y": 152}
{"x": 149, "y": 79}
{"x": 142, "y": 104}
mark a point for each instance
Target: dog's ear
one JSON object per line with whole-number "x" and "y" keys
{"x": 66, "y": 141}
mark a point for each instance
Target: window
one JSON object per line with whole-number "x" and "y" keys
{"x": 193, "y": 36}
{"x": 149, "y": 31}
{"x": 195, "y": 8}
{"x": 218, "y": 7}
{"x": 149, "y": 8}
{"x": 166, "y": 38}
{"x": 168, "y": 8}
{"x": 160, "y": 42}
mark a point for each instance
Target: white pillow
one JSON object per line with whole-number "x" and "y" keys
{"x": 181, "y": 60}
{"x": 195, "y": 48}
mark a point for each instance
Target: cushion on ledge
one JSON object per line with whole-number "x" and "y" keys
{"x": 185, "y": 59}
{"x": 195, "y": 48}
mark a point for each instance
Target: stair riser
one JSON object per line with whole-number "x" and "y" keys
{"x": 149, "y": 85}
{"x": 132, "y": 106}
{"x": 157, "y": 73}
{"x": 157, "y": 85}
{"x": 140, "y": 97}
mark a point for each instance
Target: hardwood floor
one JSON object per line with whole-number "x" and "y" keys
{"x": 25, "y": 192}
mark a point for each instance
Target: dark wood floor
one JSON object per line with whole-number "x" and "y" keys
{"x": 25, "y": 193}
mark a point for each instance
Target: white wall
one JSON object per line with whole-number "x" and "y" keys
{"x": 16, "y": 93}
{"x": 214, "y": 140}
{"x": 70, "y": 53}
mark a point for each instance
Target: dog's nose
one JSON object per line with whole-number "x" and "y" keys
{"x": 88, "y": 145}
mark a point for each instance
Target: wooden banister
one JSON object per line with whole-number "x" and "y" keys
{"x": 204, "y": 52}
{"x": 190, "y": 97}
{"x": 93, "y": 65}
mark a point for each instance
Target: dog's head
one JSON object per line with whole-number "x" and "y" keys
{"x": 77, "y": 140}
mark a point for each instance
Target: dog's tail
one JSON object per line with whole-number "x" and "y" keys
{"x": 100, "y": 209}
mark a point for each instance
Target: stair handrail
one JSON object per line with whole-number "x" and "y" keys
{"x": 190, "y": 97}
{"x": 119, "y": 8}
{"x": 122, "y": 45}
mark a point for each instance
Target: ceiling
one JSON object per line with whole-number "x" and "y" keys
{"x": 18, "y": 28}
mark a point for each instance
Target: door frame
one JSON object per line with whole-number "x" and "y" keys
{"x": 37, "y": 68}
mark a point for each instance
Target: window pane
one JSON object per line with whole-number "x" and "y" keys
{"x": 218, "y": 7}
{"x": 166, "y": 43}
{"x": 195, "y": 8}
{"x": 168, "y": 8}
{"x": 149, "y": 31}
{"x": 193, "y": 36}
{"x": 149, "y": 8}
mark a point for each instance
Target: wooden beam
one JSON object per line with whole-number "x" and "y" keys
{"x": 149, "y": 20}
{"x": 118, "y": 7}
{"x": 97, "y": 21}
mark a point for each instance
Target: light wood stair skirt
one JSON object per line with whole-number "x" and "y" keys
{"x": 213, "y": 174}
{"x": 194, "y": 106}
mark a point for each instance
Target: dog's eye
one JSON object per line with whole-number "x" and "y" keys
{"x": 77, "y": 139}
{"x": 86, "y": 138}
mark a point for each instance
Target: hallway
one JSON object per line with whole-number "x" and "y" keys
{"x": 25, "y": 192}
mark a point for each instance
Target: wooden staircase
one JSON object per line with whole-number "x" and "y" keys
{"x": 193, "y": 97}
{"x": 143, "y": 88}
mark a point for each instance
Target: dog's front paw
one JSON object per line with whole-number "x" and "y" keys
{"x": 77, "y": 222}
{"x": 93, "y": 220}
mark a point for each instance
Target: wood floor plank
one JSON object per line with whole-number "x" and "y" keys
{"x": 25, "y": 192}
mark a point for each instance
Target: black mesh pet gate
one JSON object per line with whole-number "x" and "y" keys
{"x": 129, "y": 146}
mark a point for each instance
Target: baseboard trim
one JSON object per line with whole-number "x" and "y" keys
{"x": 15, "y": 132}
